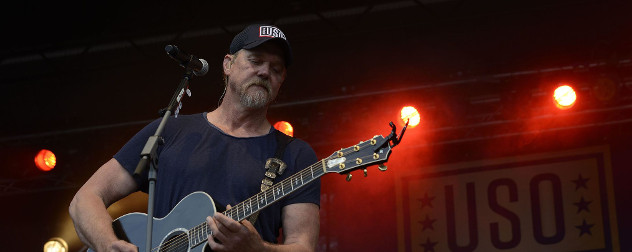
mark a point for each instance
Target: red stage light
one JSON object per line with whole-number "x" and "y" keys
{"x": 410, "y": 113}
{"x": 564, "y": 97}
{"x": 45, "y": 160}
{"x": 284, "y": 127}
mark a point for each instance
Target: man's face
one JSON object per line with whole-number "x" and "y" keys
{"x": 255, "y": 75}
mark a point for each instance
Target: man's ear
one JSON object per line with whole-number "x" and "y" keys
{"x": 228, "y": 62}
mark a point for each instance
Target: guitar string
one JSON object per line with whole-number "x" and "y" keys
{"x": 181, "y": 239}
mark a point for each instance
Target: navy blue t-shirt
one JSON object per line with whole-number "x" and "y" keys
{"x": 197, "y": 156}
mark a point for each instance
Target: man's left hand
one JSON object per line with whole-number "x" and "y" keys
{"x": 230, "y": 235}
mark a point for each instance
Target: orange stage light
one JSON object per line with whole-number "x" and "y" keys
{"x": 45, "y": 160}
{"x": 56, "y": 244}
{"x": 410, "y": 113}
{"x": 284, "y": 127}
{"x": 564, "y": 97}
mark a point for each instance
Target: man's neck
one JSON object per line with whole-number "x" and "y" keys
{"x": 238, "y": 121}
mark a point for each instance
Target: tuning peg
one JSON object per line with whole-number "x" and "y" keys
{"x": 349, "y": 177}
{"x": 365, "y": 173}
{"x": 382, "y": 167}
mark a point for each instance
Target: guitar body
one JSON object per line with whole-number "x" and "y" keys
{"x": 188, "y": 213}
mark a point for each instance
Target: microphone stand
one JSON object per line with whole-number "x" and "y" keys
{"x": 148, "y": 154}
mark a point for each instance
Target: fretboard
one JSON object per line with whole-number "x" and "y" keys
{"x": 241, "y": 211}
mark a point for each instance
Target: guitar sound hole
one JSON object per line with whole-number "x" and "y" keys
{"x": 177, "y": 241}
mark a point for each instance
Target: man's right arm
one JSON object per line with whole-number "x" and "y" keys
{"x": 88, "y": 209}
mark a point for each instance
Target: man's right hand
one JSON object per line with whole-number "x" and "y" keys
{"x": 122, "y": 246}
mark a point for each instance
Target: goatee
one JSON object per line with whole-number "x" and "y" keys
{"x": 256, "y": 99}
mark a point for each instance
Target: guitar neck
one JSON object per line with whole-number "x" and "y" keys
{"x": 261, "y": 200}
{"x": 279, "y": 190}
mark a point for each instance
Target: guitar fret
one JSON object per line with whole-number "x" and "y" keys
{"x": 197, "y": 236}
{"x": 290, "y": 185}
{"x": 268, "y": 197}
{"x": 247, "y": 208}
{"x": 255, "y": 208}
{"x": 200, "y": 235}
{"x": 243, "y": 210}
{"x": 192, "y": 238}
{"x": 277, "y": 191}
{"x": 273, "y": 193}
{"x": 252, "y": 208}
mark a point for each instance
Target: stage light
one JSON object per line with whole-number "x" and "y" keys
{"x": 45, "y": 160}
{"x": 284, "y": 127}
{"x": 410, "y": 113}
{"x": 56, "y": 245}
{"x": 564, "y": 97}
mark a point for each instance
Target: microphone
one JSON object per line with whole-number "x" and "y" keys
{"x": 199, "y": 66}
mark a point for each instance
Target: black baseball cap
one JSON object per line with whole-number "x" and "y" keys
{"x": 256, "y": 34}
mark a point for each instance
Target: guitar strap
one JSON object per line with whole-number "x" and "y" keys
{"x": 274, "y": 166}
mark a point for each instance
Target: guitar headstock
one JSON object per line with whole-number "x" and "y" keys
{"x": 372, "y": 151}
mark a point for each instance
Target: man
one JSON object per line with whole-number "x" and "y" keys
{"x": 222, "y": 153}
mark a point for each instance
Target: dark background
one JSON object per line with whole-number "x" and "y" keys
{"x": 80, "y": 78}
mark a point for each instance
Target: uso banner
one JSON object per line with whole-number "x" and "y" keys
{"x": 546, "y": 202}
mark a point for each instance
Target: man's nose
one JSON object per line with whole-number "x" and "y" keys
{"x": 263, "y": 71}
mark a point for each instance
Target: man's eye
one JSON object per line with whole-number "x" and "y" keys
{"x": 255, "y": 61}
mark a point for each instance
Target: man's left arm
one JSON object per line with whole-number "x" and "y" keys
{"x": 301, "y": 225}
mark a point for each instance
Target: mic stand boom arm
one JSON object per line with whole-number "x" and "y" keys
{"x": 148, "y": 154}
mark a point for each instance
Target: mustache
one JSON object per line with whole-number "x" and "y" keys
{"x": 262, "y": 83}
